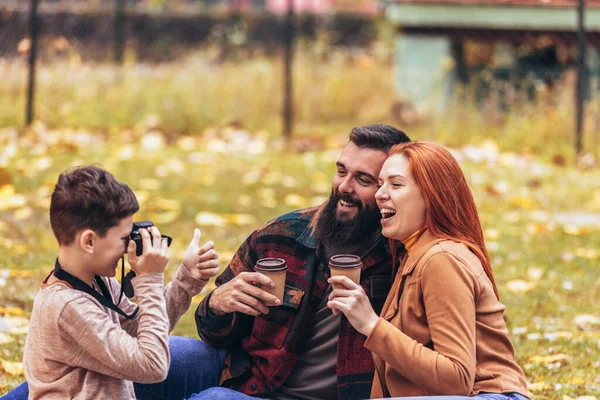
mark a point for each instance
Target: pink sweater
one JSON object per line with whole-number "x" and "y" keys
{"x": 78, "y": 349}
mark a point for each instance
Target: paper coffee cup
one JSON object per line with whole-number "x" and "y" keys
{"x": 274, "y": 268}
{"x": 347, "y": 265}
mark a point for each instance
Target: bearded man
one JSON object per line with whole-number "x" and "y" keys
{"x": 255, "y": 346}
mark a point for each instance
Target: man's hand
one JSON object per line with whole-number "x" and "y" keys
{"x": 155, "y": 253}
{"x": 354, "y": 303}
{"x": 202, "y": 262}
{"x": 243, "y": 294}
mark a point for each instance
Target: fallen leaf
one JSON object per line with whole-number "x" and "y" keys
{"x": 9, "y": 199}
{"x": 209, "y": 219}
{"x": 295, "y": 200}
{"x": 523, "y": 201}
{"x": 561, "y": 358}
{"x": 5, "y": 339}
{"x": 12, "y": 368}
{"x": 577, "y": 381}
{"x": 11, "y": 311}
{"x": 240, "y": 219}
{"x": 492, "y": 234}
{"x": 538, "y": 386}
{"x": 520, "y": 286}
{"x": 587, "y": 322}
{"x": 153, "y": 141}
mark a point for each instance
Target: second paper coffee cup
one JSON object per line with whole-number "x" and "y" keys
{"x": 276, "y": 269}
{"x": 347, "y": 265}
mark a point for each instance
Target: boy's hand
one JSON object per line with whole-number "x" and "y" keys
{"x": 202, "y": 262}
{"x": 155, "y": 253}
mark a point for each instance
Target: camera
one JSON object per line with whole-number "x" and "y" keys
{"x": 137, "y": 237}
{"x": 126, "y": 285}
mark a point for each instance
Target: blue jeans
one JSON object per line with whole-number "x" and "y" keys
{"x": 195, "y": 366}
{"x": 219, "y": 393}
{"x": 480, "y": 396}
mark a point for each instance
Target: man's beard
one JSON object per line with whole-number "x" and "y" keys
{"x": 335, "y": 231}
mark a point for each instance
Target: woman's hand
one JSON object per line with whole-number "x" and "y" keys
{"x": 354, "y": 303}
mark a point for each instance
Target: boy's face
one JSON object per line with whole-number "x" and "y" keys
{"x": 109, "y": 249}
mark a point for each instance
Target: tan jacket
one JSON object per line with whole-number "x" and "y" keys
{"x": 441, "y": 330}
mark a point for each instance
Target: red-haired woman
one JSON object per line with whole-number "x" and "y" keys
{"x": 441, "y": 331}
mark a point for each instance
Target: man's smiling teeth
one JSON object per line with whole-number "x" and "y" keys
{"x": 346, "y": 204}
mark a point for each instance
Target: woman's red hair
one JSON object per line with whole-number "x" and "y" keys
{"x": 451, "y": 211}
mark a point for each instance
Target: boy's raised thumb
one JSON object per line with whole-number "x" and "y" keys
{"x": 197, "y": 236}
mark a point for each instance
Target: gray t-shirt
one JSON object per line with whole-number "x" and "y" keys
{"x": 315, "y": 375}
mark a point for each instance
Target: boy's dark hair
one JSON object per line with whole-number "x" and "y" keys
{"x": 88, "y": 197}
{"x": 378, "y": 137}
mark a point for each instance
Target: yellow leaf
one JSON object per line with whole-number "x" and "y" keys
{"x": 289, "y": 182}
{"x": 208, "y": 179}
{"x": 5, "y": 339}
{"x": 520, "y": 286}
{"x": 23, "y": 213}
{"x": 577, "y": 381}
{"x": 492, "y": 234}
{"x": 11, "y": 311}
{"x": 240, "y": 219}
{"x": 27, "y": 273}
{"x": 591, "y": 254}
{"x": 538, "y": 386}
{"x": 526, "y": 202}
{"x": 574, "y": 230}
{"x": 43, "y": 164}
{"x": 244, "y": 200}
{"x": 153, "y": 141}
{"x": 163, "y": 218}
{"x": 317, "y": 200}
{"x": 187, "y": 143}
{"x": 561, "y": 358}
{"x": 19, "y": 331}
{"x": 209, "y": 219}
{"x": 167, "y": 204}
{"x": 225, "y": 257}
{"x": 9, "y": 199}
{"x": 295, "y": 200}
{"x": 149, "y": 184}
{"x": 12, "y": 368}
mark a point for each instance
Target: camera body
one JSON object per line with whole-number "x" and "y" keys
{"x": 137, "y": 237}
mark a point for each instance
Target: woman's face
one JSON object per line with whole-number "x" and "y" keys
{"x": 399, "y": 199}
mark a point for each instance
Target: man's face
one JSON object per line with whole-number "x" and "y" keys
{"x": 355, "y": 181}
{"x": 351, "y": 214}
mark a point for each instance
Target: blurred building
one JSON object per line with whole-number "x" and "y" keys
{"x": 506, "y": 43}
{"x": 368, "y": 7}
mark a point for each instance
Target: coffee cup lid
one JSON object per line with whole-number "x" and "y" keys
{"x": 271, "y": 264}
{"x": 345, "y": 261}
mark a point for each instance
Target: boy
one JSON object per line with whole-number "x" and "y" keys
{"x": 81, "y": 345}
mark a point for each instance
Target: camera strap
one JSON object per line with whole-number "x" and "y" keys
{"x": 105, "y": 298}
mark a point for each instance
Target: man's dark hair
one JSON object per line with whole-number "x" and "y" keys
{"x": 378, "y": 137}
{"x": 88, "y": 197}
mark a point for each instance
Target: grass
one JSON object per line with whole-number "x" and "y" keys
{"x": 231, "y": 183}
{"x": 334, "y": 90}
